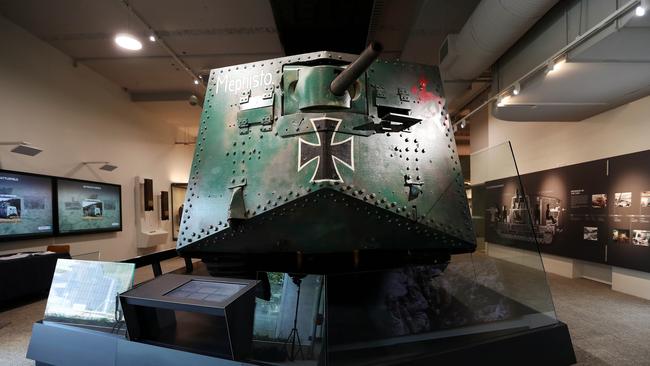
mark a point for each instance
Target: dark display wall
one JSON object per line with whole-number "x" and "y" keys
{"x": 596, "y": 211}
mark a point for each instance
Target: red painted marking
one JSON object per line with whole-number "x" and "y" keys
{"x": 420, "y": 90}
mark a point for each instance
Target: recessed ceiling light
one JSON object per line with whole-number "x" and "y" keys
{"x": 639, "y": 11}
{"x": 128, "y": 42}
{"x": 196, "y": 82}
{"x": 152, "y": 38}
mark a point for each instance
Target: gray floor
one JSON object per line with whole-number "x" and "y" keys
{"x": 607, "y": 327}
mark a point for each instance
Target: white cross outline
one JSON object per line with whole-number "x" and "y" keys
{"x": 332, "y": 143}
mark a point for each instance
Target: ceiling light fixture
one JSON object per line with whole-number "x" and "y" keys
{"x": 555, "y": 65}
{"x": 196, "y": 82}
{"x": 23, "y": 148}
{"x": 517, "y": 89}
{"x": 462, "y": 123}
{"x": 502, "y": 100}
{"x": 107, "y": 166}
{"x": 152, "y": 38}
{"x": 641, "y": 8}
{"x": 128, "y": 42}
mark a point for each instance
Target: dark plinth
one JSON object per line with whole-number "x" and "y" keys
{"x": 206, "y": 315}
{"x": 30, "y": 276}
{"x": 66, "y": 345}
{"x": 548, "y": 345}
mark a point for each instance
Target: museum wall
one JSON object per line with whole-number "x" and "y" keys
{"x": 545, "y": 145}
{"x": 76, "y": 115}
{"x": 542, "y": 145}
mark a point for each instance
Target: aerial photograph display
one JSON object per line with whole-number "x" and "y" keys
{"x": 25, "y": 205}
{"x": 87, "y": 206}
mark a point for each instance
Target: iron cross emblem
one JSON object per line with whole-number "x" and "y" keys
{"x": 326, "y": 152}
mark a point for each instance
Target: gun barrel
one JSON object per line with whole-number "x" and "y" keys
{"x": 355, "y": 69}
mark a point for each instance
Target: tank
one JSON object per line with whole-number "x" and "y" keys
{"x": 323, "y": 162}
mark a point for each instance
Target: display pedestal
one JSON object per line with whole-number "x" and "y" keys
{"x": 57, "y": 344}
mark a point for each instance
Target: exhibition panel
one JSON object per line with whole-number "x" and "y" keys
{"x": 596, "y": 211}
{"x": 628, "y": 225}
{"x": 558, "y": 199}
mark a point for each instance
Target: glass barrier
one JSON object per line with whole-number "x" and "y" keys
{"x": 418, "y": 311}
{"x": 385, "y": 316}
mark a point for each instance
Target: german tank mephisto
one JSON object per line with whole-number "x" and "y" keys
{"x": 322, "y": 162}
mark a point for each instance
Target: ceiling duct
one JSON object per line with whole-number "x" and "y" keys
{"x": 493, "y": 27}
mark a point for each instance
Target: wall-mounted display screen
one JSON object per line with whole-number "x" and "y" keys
{"x": 88, "y": 206}
{"x": 25, "y": 205}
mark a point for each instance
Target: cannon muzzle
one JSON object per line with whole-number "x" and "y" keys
{"x": 355, "y": 69}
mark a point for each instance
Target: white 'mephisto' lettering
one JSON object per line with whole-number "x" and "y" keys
{"x": 226, "y": 84}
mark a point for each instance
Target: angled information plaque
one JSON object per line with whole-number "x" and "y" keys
{"x": 85, "y": 292}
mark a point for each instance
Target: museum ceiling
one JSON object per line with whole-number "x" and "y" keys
{"x": 207, "y": 34}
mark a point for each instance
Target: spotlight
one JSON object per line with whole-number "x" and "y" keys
{"x": 555, "y": 65}
{"x": 23, "y": 148}
{"x": 502, "y": 100}
{"x": 517, "y": 89}
{"x": 128, "y": 42}
{"x": 462, "y": 123}
{"x": 196, "y": 82}
{"x": 152, "y": 38}
{"x": 641, "y": 8}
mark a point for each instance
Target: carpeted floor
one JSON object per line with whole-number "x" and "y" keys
{"x": 607, "y": 327}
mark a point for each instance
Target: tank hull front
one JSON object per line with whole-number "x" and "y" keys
{"x": 281, "y": 170}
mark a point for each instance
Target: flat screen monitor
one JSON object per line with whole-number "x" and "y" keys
{"x": 87, "y": 207}
{"x": 25, "y": 205}
{"x": 211, "y": 291}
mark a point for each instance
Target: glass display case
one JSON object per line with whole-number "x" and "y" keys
{"x": 401, "y": 315}
{"x": 492, "y": 306}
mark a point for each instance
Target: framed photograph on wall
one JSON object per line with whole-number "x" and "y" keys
{"x": 178, "y": 191}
